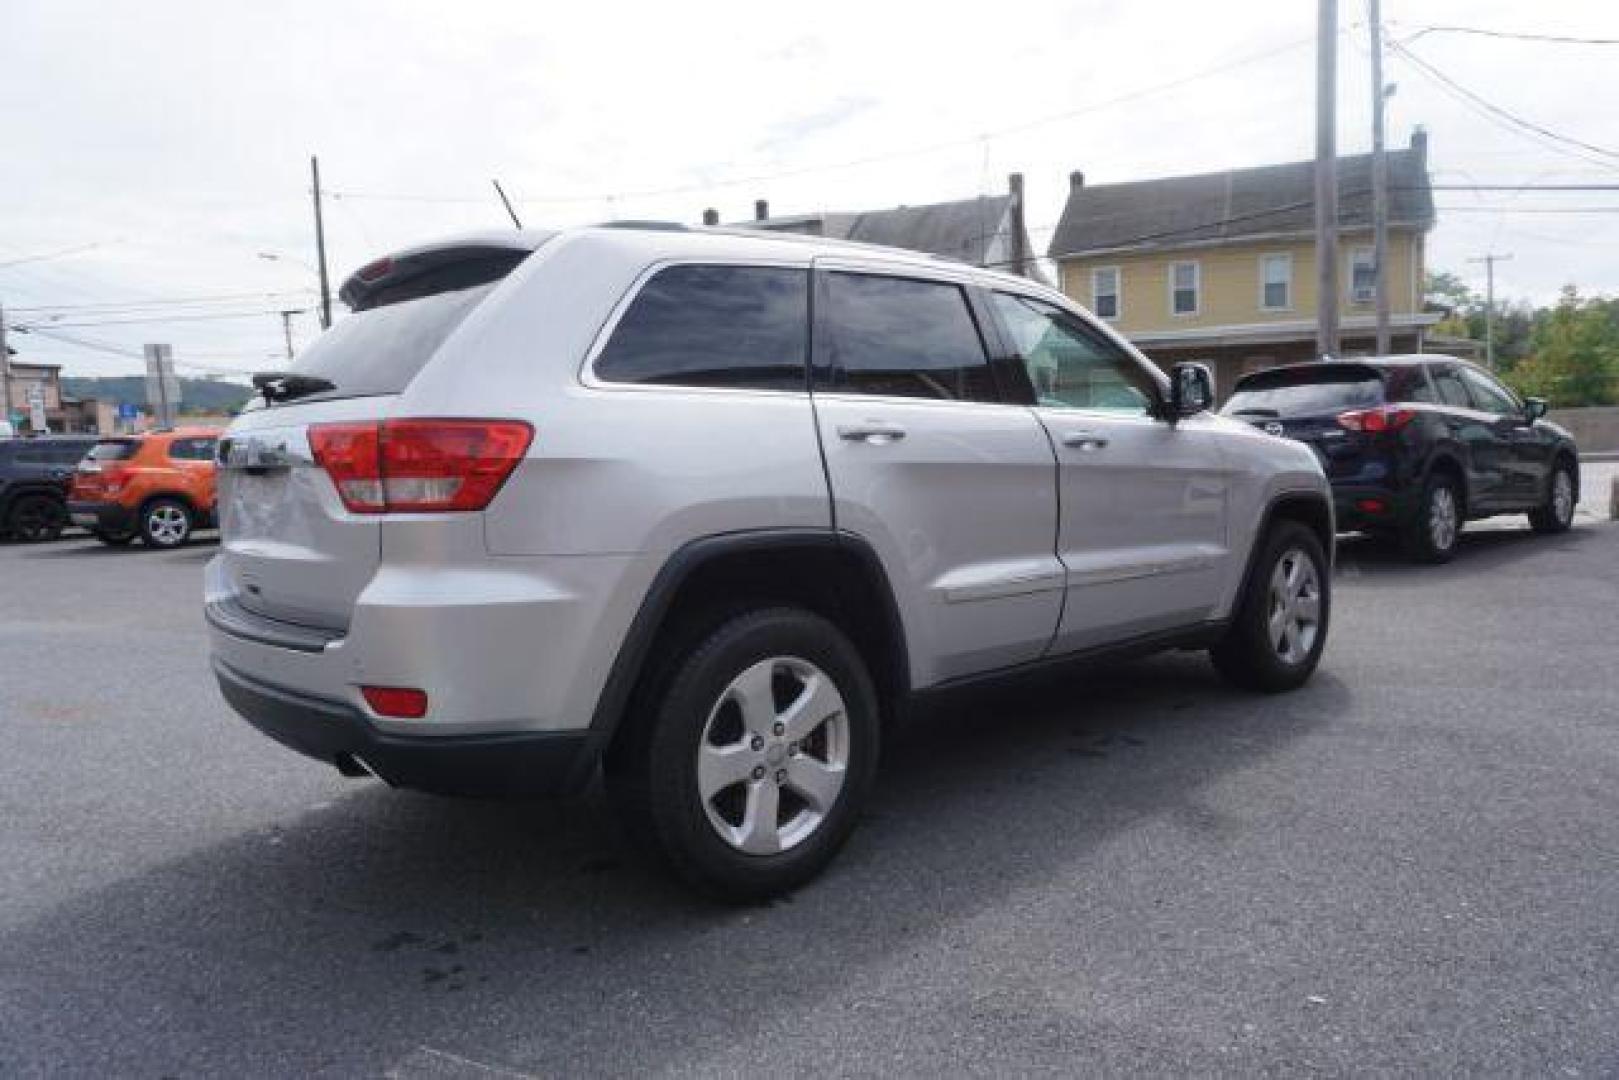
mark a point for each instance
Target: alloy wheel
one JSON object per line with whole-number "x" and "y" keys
{"x": 167, "y": 525}
{"x": 774, "y": 755}
{"x": 1295, "y": 606}
{"x": 1442, "y": 518}
{"x": 1562, "y": 497}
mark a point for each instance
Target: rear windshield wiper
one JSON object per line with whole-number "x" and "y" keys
{"x": 1255, "y": 412}
{"x": 287, "y": 385}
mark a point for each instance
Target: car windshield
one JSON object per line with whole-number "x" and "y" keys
{"x": 1307, "y": 392}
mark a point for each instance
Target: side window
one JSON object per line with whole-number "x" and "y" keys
{"x": 902, "y": 337}
{"x": 69, "y": 453}
{"x": 1105, "y": 292}
{"x": 714, "y": 326}
{"x": 1490, "y": 397}
{"x": 1451, "y": 389}
{"x": 1070, "y": 366}
{"x": 192, "y": 449}
{"x": 1409, "y": 383}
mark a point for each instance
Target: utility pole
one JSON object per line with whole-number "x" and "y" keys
{"x": 1489, "y": 262}
{"x": 320, "y": 249}
{"x": 1380, "y": 180}
{"x": 5, "y": 370}
{"x": 286, "y": 328}
{"x": 1326, "y": 178}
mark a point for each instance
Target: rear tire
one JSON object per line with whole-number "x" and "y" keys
{"x": 36, "y": 518}
{"x": 750, "y": 754}
{"x": 166, "y": 523}
{"x": 1556, "y": 514}
{"x": 1434, "y": 531}
{"x": 1279, "y": 630}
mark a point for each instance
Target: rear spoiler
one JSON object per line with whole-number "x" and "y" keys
{"x": 459, "y": 263}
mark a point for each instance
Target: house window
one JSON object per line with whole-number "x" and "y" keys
{"x": 1105, "y": 292}
{"x": 1184, "y": 287}
{"x": 1275, "y": 282}
{"x": 1362, "y": 276}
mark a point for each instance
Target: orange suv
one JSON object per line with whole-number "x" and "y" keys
{"x": 159, "y": 486}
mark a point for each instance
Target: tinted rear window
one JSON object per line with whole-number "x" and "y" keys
{"x": 114, "y": 450}
{"x": 1297, "y": 393}
{"x": 735, "y": 326}
{"x": 381, "y": 350}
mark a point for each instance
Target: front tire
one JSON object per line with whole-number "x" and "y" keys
{"x": 1432, "y": 535}
{"x": 1556, "y": 514}
{"x": 1279, "y": 630}
{"x": 166, "y": 523}
{"x": 35, "y": 518}
{"x": 752, "y": 754}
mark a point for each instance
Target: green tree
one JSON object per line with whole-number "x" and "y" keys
{"x": 1574, "y": 353}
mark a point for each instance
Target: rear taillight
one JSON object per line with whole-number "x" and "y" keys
{"x": 419, "y": 466}
{"x": 1374, "y": 421}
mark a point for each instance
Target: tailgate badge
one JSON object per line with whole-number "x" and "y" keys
{"x": 1273, "y": 428}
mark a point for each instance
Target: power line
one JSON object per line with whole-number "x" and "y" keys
{"x": 1529, "y": 209}
{"x": 1548, "y": 39}
{"x": 43, "y": 256}
{"x": 762, "y": 178}
{"x": 1517, "y": 123}
{"x": 193, "y": 317}
{"x": 111, "y": 349}
{"x": 177, "y": 301}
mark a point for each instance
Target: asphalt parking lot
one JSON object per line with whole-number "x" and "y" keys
{"x": 1411, "y": 866}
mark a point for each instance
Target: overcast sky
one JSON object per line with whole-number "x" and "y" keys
{"x": 161, "y": 147}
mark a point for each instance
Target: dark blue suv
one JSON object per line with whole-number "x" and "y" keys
{"x": 1417, "y": 445}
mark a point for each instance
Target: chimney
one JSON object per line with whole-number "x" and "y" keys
{"x": 1076, "y": 180}
{"x": 761, "y": 210}
{"x": 1019, "y": 246}
{"x": 711, "y": 217}
{"x": 1419, "y": 144}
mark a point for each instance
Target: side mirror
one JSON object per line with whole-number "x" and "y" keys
{"x": 1191, "y": 390}
{"x": 1534, "y": 408}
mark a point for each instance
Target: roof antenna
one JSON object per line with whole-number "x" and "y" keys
{"x": 506, "y": 203}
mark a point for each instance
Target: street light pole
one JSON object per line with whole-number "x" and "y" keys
{"x": 286, "y": 328}
{"x": 5, "y": 370}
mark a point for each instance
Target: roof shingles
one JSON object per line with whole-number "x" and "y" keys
{"x": 1187, "y": 211}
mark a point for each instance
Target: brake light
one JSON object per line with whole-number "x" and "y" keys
{"x": 419, "y": 466}
{"x": 399, "y": 702}
{"x": 1375, "y": 421}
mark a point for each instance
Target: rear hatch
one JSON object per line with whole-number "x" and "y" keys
{"x": 294, "y": 546}
{"x": 1305, "y": 401}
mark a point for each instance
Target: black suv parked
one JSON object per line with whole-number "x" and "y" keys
{"x": 34, "y": 477}
{"x": 1416, "y": 445}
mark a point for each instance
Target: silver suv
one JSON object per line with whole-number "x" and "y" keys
{"x": 707, "y": 510}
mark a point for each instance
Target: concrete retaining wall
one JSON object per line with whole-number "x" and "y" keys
{"x": 1595, "y": 429}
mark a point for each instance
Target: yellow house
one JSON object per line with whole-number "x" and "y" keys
{"x": 1220, "y": 267}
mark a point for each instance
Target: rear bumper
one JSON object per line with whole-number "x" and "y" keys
{"x": 109, "y": 517}
{"x": 1360, "y": 507}
{"x": 511, "y": 764}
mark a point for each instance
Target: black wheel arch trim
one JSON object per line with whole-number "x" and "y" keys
{"x": 1268, "y": 518}
{"x": 633, "y": 651}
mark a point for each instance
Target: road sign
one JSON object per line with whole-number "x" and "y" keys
{"x": 126, "y": 411}
{"x": 162, "y": 388}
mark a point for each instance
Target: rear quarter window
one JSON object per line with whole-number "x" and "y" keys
{"x": 744, "y": 327}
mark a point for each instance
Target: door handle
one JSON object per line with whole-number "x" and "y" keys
{"x": 1084, "y": 440}
{"x": 876, "y": 432}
